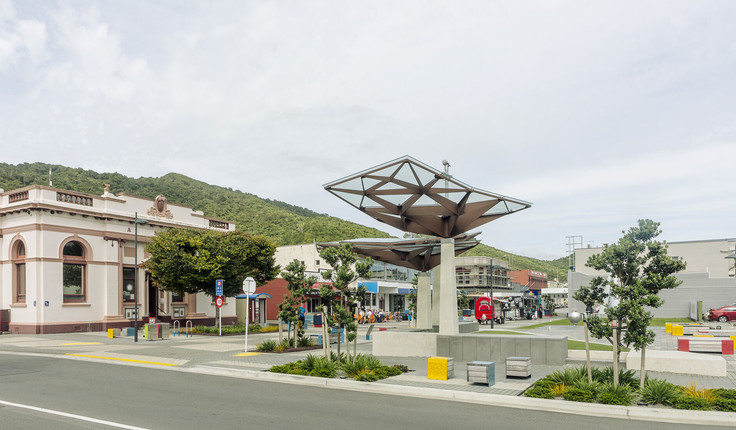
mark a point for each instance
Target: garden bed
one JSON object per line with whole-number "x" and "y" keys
{"x": 572, "y": 385}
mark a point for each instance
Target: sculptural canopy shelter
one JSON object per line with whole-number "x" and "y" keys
{"x": 411, "y": 196}
{"x": 420, "y": 254}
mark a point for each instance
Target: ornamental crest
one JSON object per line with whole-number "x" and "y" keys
{"x": 159, "y": 208}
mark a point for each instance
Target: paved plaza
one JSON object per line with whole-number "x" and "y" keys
{"x": 227, "y": 353}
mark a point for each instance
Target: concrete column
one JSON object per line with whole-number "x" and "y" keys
{"x": 424, "y": 302}
{"x": 448, "y": 301}
{"x": 436, "y": 288}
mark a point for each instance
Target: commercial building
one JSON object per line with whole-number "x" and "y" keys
{"x": 67, "y": 260}
{"x": 533, "y": 280}
{"x": 708, "y": 277}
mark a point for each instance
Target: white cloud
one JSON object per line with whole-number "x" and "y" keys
{"x": 598, "y": 112}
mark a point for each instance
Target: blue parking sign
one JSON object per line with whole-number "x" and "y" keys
{"x": 218, "y": 287}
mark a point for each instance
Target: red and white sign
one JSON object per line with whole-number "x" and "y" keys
{"x": 151, "y": 320}
{"x": 218, "y": 301}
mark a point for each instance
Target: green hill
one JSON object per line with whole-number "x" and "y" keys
{"x": 286, "y": 224}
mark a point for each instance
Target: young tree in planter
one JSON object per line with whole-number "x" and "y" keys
{"x": 298, "y": 285}
{"x": 346, "y": 268}
{"x": 639, "y": 268}
{"x": 412, "y": 299}
{"x": 463, "y": 301}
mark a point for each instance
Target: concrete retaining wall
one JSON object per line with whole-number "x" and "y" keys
{"x": 467, "y": 347}
{"x": 541, "y": 349}
{"x": 404, "y": 344}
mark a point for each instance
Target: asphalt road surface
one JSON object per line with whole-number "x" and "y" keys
{"x": 34, "y": 391}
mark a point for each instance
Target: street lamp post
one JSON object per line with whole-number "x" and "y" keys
{"x": 136, "y": 289}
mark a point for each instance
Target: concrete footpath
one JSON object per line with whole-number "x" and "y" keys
{"x": 226, "y": 356}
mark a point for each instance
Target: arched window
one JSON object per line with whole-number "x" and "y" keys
{"x": 74, "y": 277}
{"x": 19, "y": 272}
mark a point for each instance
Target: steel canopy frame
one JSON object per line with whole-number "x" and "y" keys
{"x": 420, "y": 254}
{"x": 414, "y": 197}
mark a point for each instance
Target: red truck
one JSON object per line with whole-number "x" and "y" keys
{"x": 485, "y": 309}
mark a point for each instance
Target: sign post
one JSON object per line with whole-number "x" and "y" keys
{"x": 218, "y": 302}
{"x": 249, "y": 287}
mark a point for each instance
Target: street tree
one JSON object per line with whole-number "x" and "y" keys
{"x": 638, "y": 268}
{"x": 298, "y": 284}
{"x": 188, "y": 261}
{"x": 463, "y": 301}
{"x": 346, "y": 269}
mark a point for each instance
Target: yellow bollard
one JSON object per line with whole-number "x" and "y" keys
{"x": 668, "y": 327}
{"x": 439, "y": 368}
{"x": 677, "y": 330}
{"x": 110, "y": 334}
{"x": 734, "y": 342}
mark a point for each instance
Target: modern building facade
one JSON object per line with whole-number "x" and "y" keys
{"x": 387, "y": 285}
{"x": 708, "y": 277}
{"x": 67, "y": 260}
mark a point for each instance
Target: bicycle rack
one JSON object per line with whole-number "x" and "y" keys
{"x": 177, "y": 328}
{"x": 188, "y": 329}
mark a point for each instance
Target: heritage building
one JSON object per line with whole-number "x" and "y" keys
{"x": 67, "y": 261}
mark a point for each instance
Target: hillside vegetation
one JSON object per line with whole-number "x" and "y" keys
{"x": 284, "y": 223}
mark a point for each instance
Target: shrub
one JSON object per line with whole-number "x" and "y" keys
{"x": 539, "y": 392}
{"x": 324, "y": 369}
{"x": 267, "y": 345}
{"x": 403, "y": 367}
{"x": 725, "y": 405}
{"x": 568, "y": 376}
{"x": 366, "y": 375}
{"x": 692, "y": 403}
{"x": 304, "y": 341}
{"x": 625, "y": 377}
{"x": 283, "y": 368}
{"x": 659, "y": 391}
{"x": 725, "y": 393}
{"x": 583, "y": 384}
{"x": 578, "y": 395}
{"x": 618, "y": 395}
{"x": 691, "y": 390}
{"x": 558, "y": 389}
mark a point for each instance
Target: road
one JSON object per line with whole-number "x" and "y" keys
{"x": 164, "y": 399}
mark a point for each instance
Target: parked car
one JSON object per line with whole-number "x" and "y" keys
{"x": 726, "y": 313}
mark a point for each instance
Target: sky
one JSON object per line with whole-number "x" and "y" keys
{"x": 599, "y": 113}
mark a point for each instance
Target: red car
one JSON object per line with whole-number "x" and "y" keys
{"x": 726, "y": 313}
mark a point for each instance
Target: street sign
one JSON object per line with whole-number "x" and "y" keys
{"x": 249, "y": 285}
{"x": 218, "y": 301}
{"x": 218, "y": 287}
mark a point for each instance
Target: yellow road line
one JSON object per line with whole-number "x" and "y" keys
{"x": 81, "y": 343}
{"x": 247, "y": 354}
{"x": 123, "y": 359}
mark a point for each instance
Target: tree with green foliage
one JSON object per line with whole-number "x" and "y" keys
{"x": 463, "y": 301}
{"x": 412, "y": 301}
{"x": 188, "y": 261}
{"x": 298, "y": 285}
{"x": 638, "y": 268}
{"x": 346, "y": 269}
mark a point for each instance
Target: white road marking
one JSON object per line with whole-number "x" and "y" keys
{"x": 73, "y": 416}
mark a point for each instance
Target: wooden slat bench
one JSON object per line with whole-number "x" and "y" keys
{"x": 705, "y": 344}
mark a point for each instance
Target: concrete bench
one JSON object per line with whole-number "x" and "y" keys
{"x": 668, "y": 326}
{"x": 482, "y": 372}
{"x": 519, "y": 366}
{"x": 687, "y": 363}
{"x": 705, "y": 344}
{"x": 687, "y": 330}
